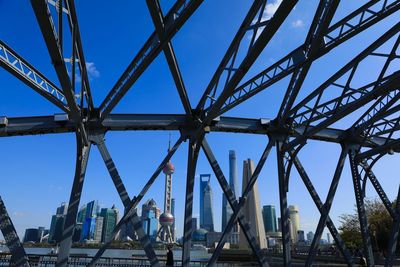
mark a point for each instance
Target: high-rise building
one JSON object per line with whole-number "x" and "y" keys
{"x": 194, "y": 224}
{"x": 269, "y": 217}
{"x": 57, "y": 223}
{"x": 328, "y": 238}
{"x": 310, "y": 237}
{"x": 279, "y": 225}
{"x": 89, "y": 228}
{"x": 206, "y": 196}
{"x": 31, "y": 235}
{"x": 252, "y": 209}
{"x": 98, "y": 230}
{"x": 110, "y": 220}
{"x": 92, "y": 209}
{"x": 88, "y": 215}
{"x": 295, "y": 219}
{"x": 300, "y": 236}
{"x": 150, "y": 215}
{"x": 226, "y": 208}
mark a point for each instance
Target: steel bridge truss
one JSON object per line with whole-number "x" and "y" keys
{"x": 371, "y": 137}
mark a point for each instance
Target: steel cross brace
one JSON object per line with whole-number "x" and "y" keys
{"x": 394, "y": 235}
{"x": 159, "y": 23}
{"x": 237, "y": 215}
{"x": 18, "y": 255}
{"x": 46, "y": 24}
{"x": 82, "y": 156}
{"x": 98, "y": 139}
{"x": 193, "y": 154}
{"x": 362, "y": 216}
{"x": 344, "y": 29}
{"x": 233, "y": 203}
{"x": 320, "y": 206}
{"x": 176, "y": 17}
{"x": 323, "y": 17}
{"x": 131, "y": 211}
{"x": 28, "y": 74}
{"x": 326, "y": 207}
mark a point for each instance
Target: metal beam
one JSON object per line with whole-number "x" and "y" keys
{"x": 158, "y": 20}
{"x": 283, "y": 181}
{"x": 362, "y": 216}
{"x": 266, "y": 35}
{"x": 239, "y": 206}
{"x": 18, "y": 254}
{"x": 245, "y": 227}
{"x": 82, "y": 156}
{"x": 193, "y": 154}
{"x": 175, "y": 19}
{"x": 46, "y": 24}
{"x": 394, "y": 235}
{"x": 135, "y": 201}
{"x": 29, "y": 75}
{"x": 98, "y": 139}
{"x": 323, "y": 17}
{"x": 320, "y": 206}
{"x": 326, "y": 207}
{"x": 356, "y": 22}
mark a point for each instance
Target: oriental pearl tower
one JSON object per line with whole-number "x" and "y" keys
{"x": 167, "y": 219}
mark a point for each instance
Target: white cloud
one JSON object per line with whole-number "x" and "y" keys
{"x": 92, "y": 70}
{"x": 270, "y": 9}
{"x": 298, "y": 23}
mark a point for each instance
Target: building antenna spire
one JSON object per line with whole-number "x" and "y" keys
{"x": 169, "y": 142}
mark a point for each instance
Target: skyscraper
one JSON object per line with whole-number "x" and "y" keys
{"x": 110, "y": 220}
{"x": 295, "y": 219}
{"x": 252, "y": 209}
{"x": 57, "y": 223}
{"x": 88, "y": 215}
{"x": 269, "y": 217}
{"x": 150, "y": 215}
{"x": 206, "y": 212}
{"x": 226, "y": 208}
{"x": 310, "y": 237}
{"x": 98, "y": 229}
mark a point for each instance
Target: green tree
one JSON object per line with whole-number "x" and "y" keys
{"x": 379, "y": 221}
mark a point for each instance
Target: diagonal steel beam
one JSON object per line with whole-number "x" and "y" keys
{"x": 29, "y": 75}
{"x": 135, "y": 201}
{"x": 394, "y": 235}
{"x": 326, "y": 207}
{"x": 266, "y": 35}
{"x": 193, "y": 154}
{"x": 159, "y": 23}
{"x": 362, "y": 216}
{"x": 175, "y": 19}
{"x": 82, "y": 156}
{"x": 320, "y": 206}
{"x": 319, "y": 26}
{"x": 98, "y": 139}
{"x": 359, "y": 20}
{"x": 46, "y": 24}
{"x": 73, "y": 24}
{"x": 18, "y": 254}
{"x": 239, "y": 206}
{"x": 245, "y": 227}
{"x": 283, "y": 182}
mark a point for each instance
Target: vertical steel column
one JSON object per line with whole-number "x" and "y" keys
{"x": 287, "y": 260}
{"x": 327, "y": 207}
{"x": 18, "y": 255}
{"x": 194, "y": 149}
{"x": 317, "y": 200}
{"x": 119, "y": 185}
{"x": 394, "y": 236}
{"x": 362, "y": 216}
{"x": 245, "y": 227}
{"x": 70, "y": 221}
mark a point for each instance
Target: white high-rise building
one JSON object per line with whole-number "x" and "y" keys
{"x": 252, "y": 209}
{"x": 295, "y": 219}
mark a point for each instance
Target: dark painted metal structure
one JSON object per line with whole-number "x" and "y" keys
{"x": 372, "y": 136}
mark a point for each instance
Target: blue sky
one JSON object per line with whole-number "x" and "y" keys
{"x": 37, "y": 171}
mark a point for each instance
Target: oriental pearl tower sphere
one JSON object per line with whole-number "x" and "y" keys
{"x": 167, "y": 219}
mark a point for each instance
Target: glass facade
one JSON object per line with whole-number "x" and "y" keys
{"x": 206, "y": 195}
{"x": 110, "y": 220}
{"x": 269, "y": 217}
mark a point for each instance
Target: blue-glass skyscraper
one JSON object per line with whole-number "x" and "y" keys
{"x": 150, "y": 216}
{"x": 269, "y": 217}
{"x": 206, "y": 212}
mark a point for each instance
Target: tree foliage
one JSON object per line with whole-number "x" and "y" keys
{"x": 379, "y": 222}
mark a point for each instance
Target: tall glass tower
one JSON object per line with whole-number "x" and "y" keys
{"x": 226, "y": 208}
{"x": 110, "y": 220}
{"x": 206, "y": 212}
{"x": 269, "y": 217}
